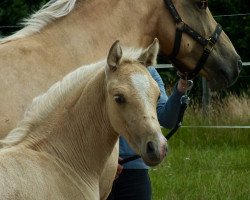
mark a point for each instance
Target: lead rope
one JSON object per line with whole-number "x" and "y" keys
{"x": 185, "y": 99}
{"x": 184, "y": 104}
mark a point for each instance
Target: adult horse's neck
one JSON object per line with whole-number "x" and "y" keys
{"x": 86, "y": 33}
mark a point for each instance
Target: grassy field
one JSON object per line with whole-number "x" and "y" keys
{"x": 207, "y": 164}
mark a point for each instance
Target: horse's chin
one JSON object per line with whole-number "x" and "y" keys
{"x": 215, "y": 84}
{"x": 222, "y": 77}
{"x": 151, "y": 162}
{"x": 220, "y": 82}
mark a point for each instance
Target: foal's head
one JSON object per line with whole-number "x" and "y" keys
{"x": 132, "y": 96}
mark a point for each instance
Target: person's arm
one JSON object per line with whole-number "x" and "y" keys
{"x": 168, "y": 107}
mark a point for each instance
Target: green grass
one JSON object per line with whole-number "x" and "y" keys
{"x": 205, "y": 164}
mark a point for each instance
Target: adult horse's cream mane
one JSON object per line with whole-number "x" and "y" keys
{"x": 46, "y": 103}
{"x": 50, "y": 11}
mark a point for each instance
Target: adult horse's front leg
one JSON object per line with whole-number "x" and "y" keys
{"x": 108, "y": 174}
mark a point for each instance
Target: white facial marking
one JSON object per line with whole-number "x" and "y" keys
{"x": 142, "y": 85}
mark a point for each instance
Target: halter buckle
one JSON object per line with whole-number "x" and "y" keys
{"x": 209, "y": 46}
{"x": 180, "y": 25}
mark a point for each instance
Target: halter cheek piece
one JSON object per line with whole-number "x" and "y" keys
{"x": 182, "y": 27}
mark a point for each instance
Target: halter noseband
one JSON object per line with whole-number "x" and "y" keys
{"x": 183, "y": 27}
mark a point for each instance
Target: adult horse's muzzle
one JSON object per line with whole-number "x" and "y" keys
{"x": 225, "y": 75}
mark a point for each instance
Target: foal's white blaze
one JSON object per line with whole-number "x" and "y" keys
{"x": 142, "y": 86}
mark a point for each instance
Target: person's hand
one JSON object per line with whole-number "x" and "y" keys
{"x": 182, "y": 85}
{"x": 119, "y": 169}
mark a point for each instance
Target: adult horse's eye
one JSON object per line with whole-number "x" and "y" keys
{"x": 202, "y": 4}
{"x": 119, "y": 99}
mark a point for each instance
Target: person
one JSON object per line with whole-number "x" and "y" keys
{"x": 132, "y": 179}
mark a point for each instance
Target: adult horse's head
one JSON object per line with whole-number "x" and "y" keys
{"x": 195, "y": 43}
{"x": 132, "y": 96}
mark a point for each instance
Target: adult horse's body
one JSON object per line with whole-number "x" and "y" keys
{"x": 41, "y": 53}
{"x": 61, "y": 146}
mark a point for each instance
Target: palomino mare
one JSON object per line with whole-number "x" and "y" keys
{"x": 59, "y": 149}
{"x": 68, "y": 33}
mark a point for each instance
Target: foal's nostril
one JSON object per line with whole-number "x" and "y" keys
{"x": 150, "y": 147}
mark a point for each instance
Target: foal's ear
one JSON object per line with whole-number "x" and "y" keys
{"x": 114, "y": 56}
{"x": 149, "y": 56}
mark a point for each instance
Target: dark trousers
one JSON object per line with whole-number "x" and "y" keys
{"x": 132, "y": 184}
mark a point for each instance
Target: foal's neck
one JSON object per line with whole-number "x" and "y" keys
{"x": 80, "y": 134}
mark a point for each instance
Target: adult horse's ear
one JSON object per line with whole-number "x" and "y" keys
{"x": 149, "y": 56}
{"x": 114, "y": 56}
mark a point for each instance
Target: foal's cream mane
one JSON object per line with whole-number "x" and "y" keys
{"x": 46, "y": 103}
{"x": 50, "y": 11}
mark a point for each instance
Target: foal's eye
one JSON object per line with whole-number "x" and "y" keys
{"x": 119, "y": 99}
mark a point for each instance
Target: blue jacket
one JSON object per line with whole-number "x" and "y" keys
{"x": 167, "y": 111}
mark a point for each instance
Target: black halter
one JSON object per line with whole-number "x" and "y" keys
{"x": 183, "y": 27}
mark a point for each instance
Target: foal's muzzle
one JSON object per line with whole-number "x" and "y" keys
{"x": 154, "y": 153}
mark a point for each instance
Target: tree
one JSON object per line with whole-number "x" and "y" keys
{"x": 13, "y": 11}
{"x": 236, "y": 27}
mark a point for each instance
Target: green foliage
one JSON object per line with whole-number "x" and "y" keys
{"x": 237, "y": 27}
{"x": 13, "y": 11}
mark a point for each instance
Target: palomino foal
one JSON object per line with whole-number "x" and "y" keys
{"x": 61, "y": 146}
